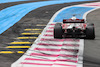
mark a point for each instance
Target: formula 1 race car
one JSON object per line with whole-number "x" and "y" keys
{"x": 74, "y": 28}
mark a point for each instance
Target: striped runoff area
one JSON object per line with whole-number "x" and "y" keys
{"x": 49, "y": 52}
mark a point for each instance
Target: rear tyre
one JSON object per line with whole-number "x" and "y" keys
{"x": 58, "y": 32}
{"x": 90, "y": 32}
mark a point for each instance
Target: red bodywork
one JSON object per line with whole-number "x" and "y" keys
{"x": 77, "y": 23}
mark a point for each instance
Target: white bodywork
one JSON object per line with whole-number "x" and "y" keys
{"x": 71, "y": 25}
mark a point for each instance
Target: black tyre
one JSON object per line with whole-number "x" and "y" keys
{"x": 90, "y": 32}
{"x": 58, "y": 30}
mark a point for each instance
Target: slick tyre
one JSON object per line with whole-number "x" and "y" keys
{"x": 58, "y": 31}
{"x": 90, "y": 32}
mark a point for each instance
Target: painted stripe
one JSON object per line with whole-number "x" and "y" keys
{"x": 18, "y": 47}
{"x": 30, "y": 33}
{"x": 65, "y": 65}
{"x": 51, "y": 28}
{"x": 49, "y": 64}
{"x": 71, "y": 50}
{"x": 45, "y": 49}
{"x": 57, "y": 50}
{"x": 27, "y": 37}
{"x": 33, "y": 29}
{"x": 35, "y": 63}
{"x": 64, "y": 55}
{"x": 51, "y": 47}
{"x": 49, "y": 44}
{"x": 62, "y": 52}
{"x": 46, "y": 63}
{"x": 6, "y": 52}
{"x": 21, "y": 43}
{"x": 20, "y": 52}
{"x": 49, "y": 31}
{"x": 34, "y": 59}
{"x": 53, "y": 55}
{"x": 11, "y": 52}
{"x": 40, "y": 54}
{"x": 43, "y": 60}
{"x": 40, "y": 25}
{"x": 66, "y": 60}
{"x": 73, "y": 45}
{"x": 69, "y": 60}
{"x": 53, "y": 24}
{"x": 48, "y": 35}
{"x": 61, "y": 40}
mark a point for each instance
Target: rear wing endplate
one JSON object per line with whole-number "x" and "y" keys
{"x": 73, "y": 21}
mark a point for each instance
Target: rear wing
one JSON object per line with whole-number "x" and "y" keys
{"x": 73, "y": 21}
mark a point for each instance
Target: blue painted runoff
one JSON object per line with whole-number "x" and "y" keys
{"x": 6, "y": 1}
{"x": 11, "y": 15}
{"x": 69, "y": 12}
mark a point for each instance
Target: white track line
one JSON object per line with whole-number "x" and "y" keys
{"x": 57, "y": 63}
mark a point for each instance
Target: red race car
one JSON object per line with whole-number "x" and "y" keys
{"x": 74, "y": 28}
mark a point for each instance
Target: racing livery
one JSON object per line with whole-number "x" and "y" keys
{"x": 74, "y": 28}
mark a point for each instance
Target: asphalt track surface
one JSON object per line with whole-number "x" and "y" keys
{"x": 42, "y": 16}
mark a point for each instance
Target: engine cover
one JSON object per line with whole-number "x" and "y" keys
{"x": 76, "y": 25}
